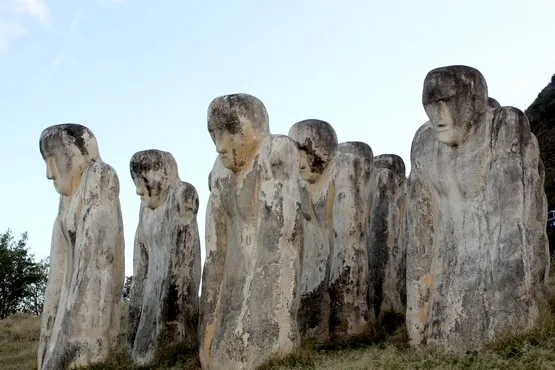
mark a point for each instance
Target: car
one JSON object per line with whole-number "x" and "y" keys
{"x": 551, "y": 220}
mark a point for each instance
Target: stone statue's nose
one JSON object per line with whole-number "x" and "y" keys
{"x": 49, "y": 173}
{"x": 220, "y": 148}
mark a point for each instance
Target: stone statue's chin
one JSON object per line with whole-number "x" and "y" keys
{"x": 305, "y": 175}
{"x": 446, "y": 136}
{"x": 309, "y": 176}
{"x": 60, "y": 189}
{"x": 227, "y": 162}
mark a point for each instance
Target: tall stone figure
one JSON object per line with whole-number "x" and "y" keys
{"x": 334, "y": 285}
{"x": 384, "y": 193}
{"x": 250, "y": 286}
{"x": 387, "y": 263}
{"x": 477, "y": 253}
{"x": 80, "y": 319}
{"x": 164, "y": 304}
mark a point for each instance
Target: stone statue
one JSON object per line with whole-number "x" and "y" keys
{"x": 80, "y": 319}
{"x": 250, "y": 286}
{"x": 164, "y": 305}
{"x": 385, "y": 190}
{"x": 477, "y": 253}
{"x": 334, "y": 282}
{"x": 387, "y": 265}
{"x": 492, "y": 103}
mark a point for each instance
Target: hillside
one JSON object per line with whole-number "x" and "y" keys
{"x": 541, "y": 114}
{"x": 533, "y": 350}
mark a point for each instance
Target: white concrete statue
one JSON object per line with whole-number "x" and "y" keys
{"x": 80, "y": 319}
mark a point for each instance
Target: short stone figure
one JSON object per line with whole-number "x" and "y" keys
{"x": 477, "y": 252}
{"x": 492, "y": 103}
{"x": 80, "y": 319}
{"x": 334, "y": 282}
{"x": 250, "y": 287}
{"x": 164, "y": 304}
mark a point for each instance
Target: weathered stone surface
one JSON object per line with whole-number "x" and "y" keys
{"x": 477, "y": 254}
{"x": 164, "y": 304}
{"x": 492, "y": 103}
{"x": 387, "y": 262}
{"x": 80, "y": 319}
{"x": 385, "y": 191}
{"x": 334, "y": 282}
{"x": 250, "y": 286}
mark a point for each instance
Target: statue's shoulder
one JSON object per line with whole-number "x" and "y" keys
{"x": 187, "y": 193}
{"x": 423, "y": 136}
{"x": 102, "y": 177}
{"x": 509, "y": 125}
{"x": 279, "y": 150}
{"x": 219, "y": 175}
{"x": 423, "y": 144}
{"x": 344, "y": 163}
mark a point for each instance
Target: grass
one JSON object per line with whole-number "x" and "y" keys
{"x": 376, "y": 349}
{"x": 19, "y": 342}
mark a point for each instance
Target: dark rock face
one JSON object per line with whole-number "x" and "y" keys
{"x": 541, "y": 114}
{"x": 477, "y": 256}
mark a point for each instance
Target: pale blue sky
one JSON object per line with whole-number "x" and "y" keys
{"x": 140, "y": 74}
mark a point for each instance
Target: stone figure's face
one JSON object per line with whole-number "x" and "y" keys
{"x": 454, "y": 99}
{"x": 148, "y": 186}
{"x": 308, "y": 173}
{"x": 317, "y": 143}
{"x": 447, "y": 123}
{"x": 67, "y": 150}
{"x": 235, "y": 146}
{"x": 65, "y": 172}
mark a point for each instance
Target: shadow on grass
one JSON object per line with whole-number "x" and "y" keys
{"x": 390, "y": 330}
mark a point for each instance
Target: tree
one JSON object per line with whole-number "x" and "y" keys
{"x": 18, "y": 273}
{"x": 33, "y": 301}
{"x": 127, "y": 285}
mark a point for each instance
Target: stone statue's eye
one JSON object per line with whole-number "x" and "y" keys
{"x": 144, "y": 179}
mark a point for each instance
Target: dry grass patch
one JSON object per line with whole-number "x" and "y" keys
{"x": 376, "y": 349}
{"x": 19, "y": 342}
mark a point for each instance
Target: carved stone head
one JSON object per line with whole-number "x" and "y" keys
{"x": 153, "y": 171}
{"x": 455, "y": 98}
{"x": 391, "y": 162}
{"x": 317, "y": 142}
{"x": 67, "y": 150}
{"x": 237, "y": 124}
{"x": 493, "y": 104}
{"x": 358, "y": 148}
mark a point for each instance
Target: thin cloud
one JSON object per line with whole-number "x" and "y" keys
{"x": 59, "y": 59}
{"x": 112, "y": 2}
{"x": 10, "y": 31}
{"x": 36, "y": 9}
{"x": 76, "y": 20}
